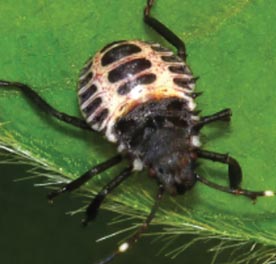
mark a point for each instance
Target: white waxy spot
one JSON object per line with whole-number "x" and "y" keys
{"x": 109, "y": 134}
{"x": 194, "y": 117}
{"x": 111, "y": 137}
{"x": 192, "y": 86}
{"x": 137, "y": 165}
{"x": 195, "y": 141}
{"x": 121, "y": 147}
{"x": 191, "y": 105}
{"x": 124, "y": 247}
{"x": 136, "y": 92}
{"x": 269, "y": 193}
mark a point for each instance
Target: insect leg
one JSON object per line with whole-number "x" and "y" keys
{"x": 234, "y": 169}
{"x": 236, "y": 191}
{"x": 234, "y": 174}
{"x": 73, "y": 185}
{"x": 223, "y": 115}
{"x": 164, "y": 31}
{"x": 44, "y": 106}
{"x": 133, "y": 239}
{"x": 92, "y": 209}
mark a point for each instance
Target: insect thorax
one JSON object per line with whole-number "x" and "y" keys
{"x": 156, "y": 127}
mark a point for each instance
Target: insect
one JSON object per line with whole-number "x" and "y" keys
{"x": 140, "y": 95}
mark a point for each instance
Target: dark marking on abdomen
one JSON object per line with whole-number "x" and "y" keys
{"x": 88, "y": 110}
{"x": 119, "y": 52}
{"x": 172, "y": 58}
{"x": 144, "y": 79}
{"x": 182, "y": 82}
{"x": 128, "y": 69}
{"x": 99, "y": 118}
{"x": 86, "y": 79}
{"x": 179, "y": 69}
{"x": 87, "y": 93}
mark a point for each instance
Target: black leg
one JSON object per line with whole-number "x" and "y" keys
{"x": 223, "y": 115}
{"x": 85, "y": 177}
{"x": 44, "y": 106}
{"x": 92, "y": 209}
{"x": 236, "y": 191}
{"x": 234, "y": 169}
{"x": 133, "y": 239}
{"x": 164, "y": 31}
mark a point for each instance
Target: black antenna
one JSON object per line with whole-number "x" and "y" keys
{"x": 122, "y": 248}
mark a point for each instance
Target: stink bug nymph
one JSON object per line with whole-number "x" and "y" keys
{"x": 140, "y": 95}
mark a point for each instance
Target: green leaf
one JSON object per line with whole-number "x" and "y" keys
{"x": 231, "y": 46}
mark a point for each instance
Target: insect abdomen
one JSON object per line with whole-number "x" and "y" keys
{"x": 126, "y": 74}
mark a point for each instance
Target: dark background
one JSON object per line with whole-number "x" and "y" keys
{"x": 33, "y": 231}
